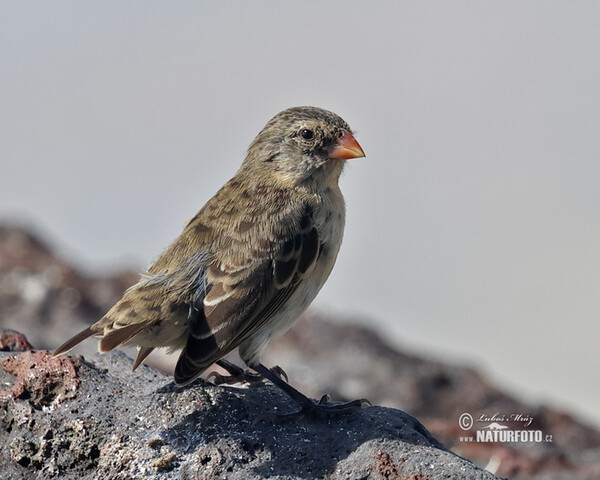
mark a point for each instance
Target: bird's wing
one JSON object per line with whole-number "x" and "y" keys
{"x": 155, "y": 312}
{"x": 243, "y": 295}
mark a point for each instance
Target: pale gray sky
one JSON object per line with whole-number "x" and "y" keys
{"x": 473, "y": 228}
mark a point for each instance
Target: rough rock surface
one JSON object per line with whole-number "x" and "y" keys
{"x": 73, "y": 418}
{"x": 49, "y": 300}
{"x": 362, "y": 364}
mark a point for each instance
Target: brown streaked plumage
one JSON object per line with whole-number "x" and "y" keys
{"x": 252, "y": 259}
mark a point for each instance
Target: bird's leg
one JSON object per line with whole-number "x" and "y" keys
{"x": 239, "y": 375}
{"x": 307, "y": 406}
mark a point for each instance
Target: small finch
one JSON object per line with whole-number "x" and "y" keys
{"x": 250, "y": 262}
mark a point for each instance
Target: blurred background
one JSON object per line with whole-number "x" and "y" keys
{"x": 473, "y": 226}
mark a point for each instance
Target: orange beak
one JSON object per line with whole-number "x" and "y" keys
{"x": 345, "y": 148}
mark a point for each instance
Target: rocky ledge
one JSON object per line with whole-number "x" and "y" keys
{"x": 69, "y": 417}
{"x": 49, "y": 299}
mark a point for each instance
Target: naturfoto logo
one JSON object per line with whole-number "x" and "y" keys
{"x": 493, "y": 429}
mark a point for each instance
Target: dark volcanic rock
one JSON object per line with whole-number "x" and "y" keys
{"x": 49, "y": 300}
{"x": 362, "y": 363}
{"x": 98, "y": 420}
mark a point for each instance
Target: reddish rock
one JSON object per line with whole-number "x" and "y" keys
{"x": 11, "y": 341}
{"x": 41, "y": 378}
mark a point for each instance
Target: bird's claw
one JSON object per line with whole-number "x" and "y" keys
{"x": 324, "y": 408}
{"x": 319, "y": 409}
{"x": 239, "y": 375}
{"x": 244, "y": 376}
{"x": 280, "y": 372}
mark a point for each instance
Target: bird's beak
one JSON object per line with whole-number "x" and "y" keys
{"x": 346, "y": 147}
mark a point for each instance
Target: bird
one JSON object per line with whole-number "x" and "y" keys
{"x": 249, "y": 263}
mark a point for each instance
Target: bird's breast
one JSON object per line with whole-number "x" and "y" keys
{"x": 329, "y": 220}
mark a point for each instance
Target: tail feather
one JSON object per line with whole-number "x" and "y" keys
{"x": 69, "y": 344}
{"x": 143, "y": 352}
{"x": 119, "y": 336}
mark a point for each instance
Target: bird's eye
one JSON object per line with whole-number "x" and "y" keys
{"x": 307, "y": 134}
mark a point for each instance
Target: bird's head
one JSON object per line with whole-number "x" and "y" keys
{"x": 303, "y": 145}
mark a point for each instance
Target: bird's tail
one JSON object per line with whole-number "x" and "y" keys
{"x": 73, "y": 341}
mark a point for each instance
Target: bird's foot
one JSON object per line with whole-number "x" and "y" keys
{"x": 324, "y": 408}
{"x": 320, "y": 409}
{"x": 239, "y": 375}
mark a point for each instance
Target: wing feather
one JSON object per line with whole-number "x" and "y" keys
{"x": 237, "y": 306}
